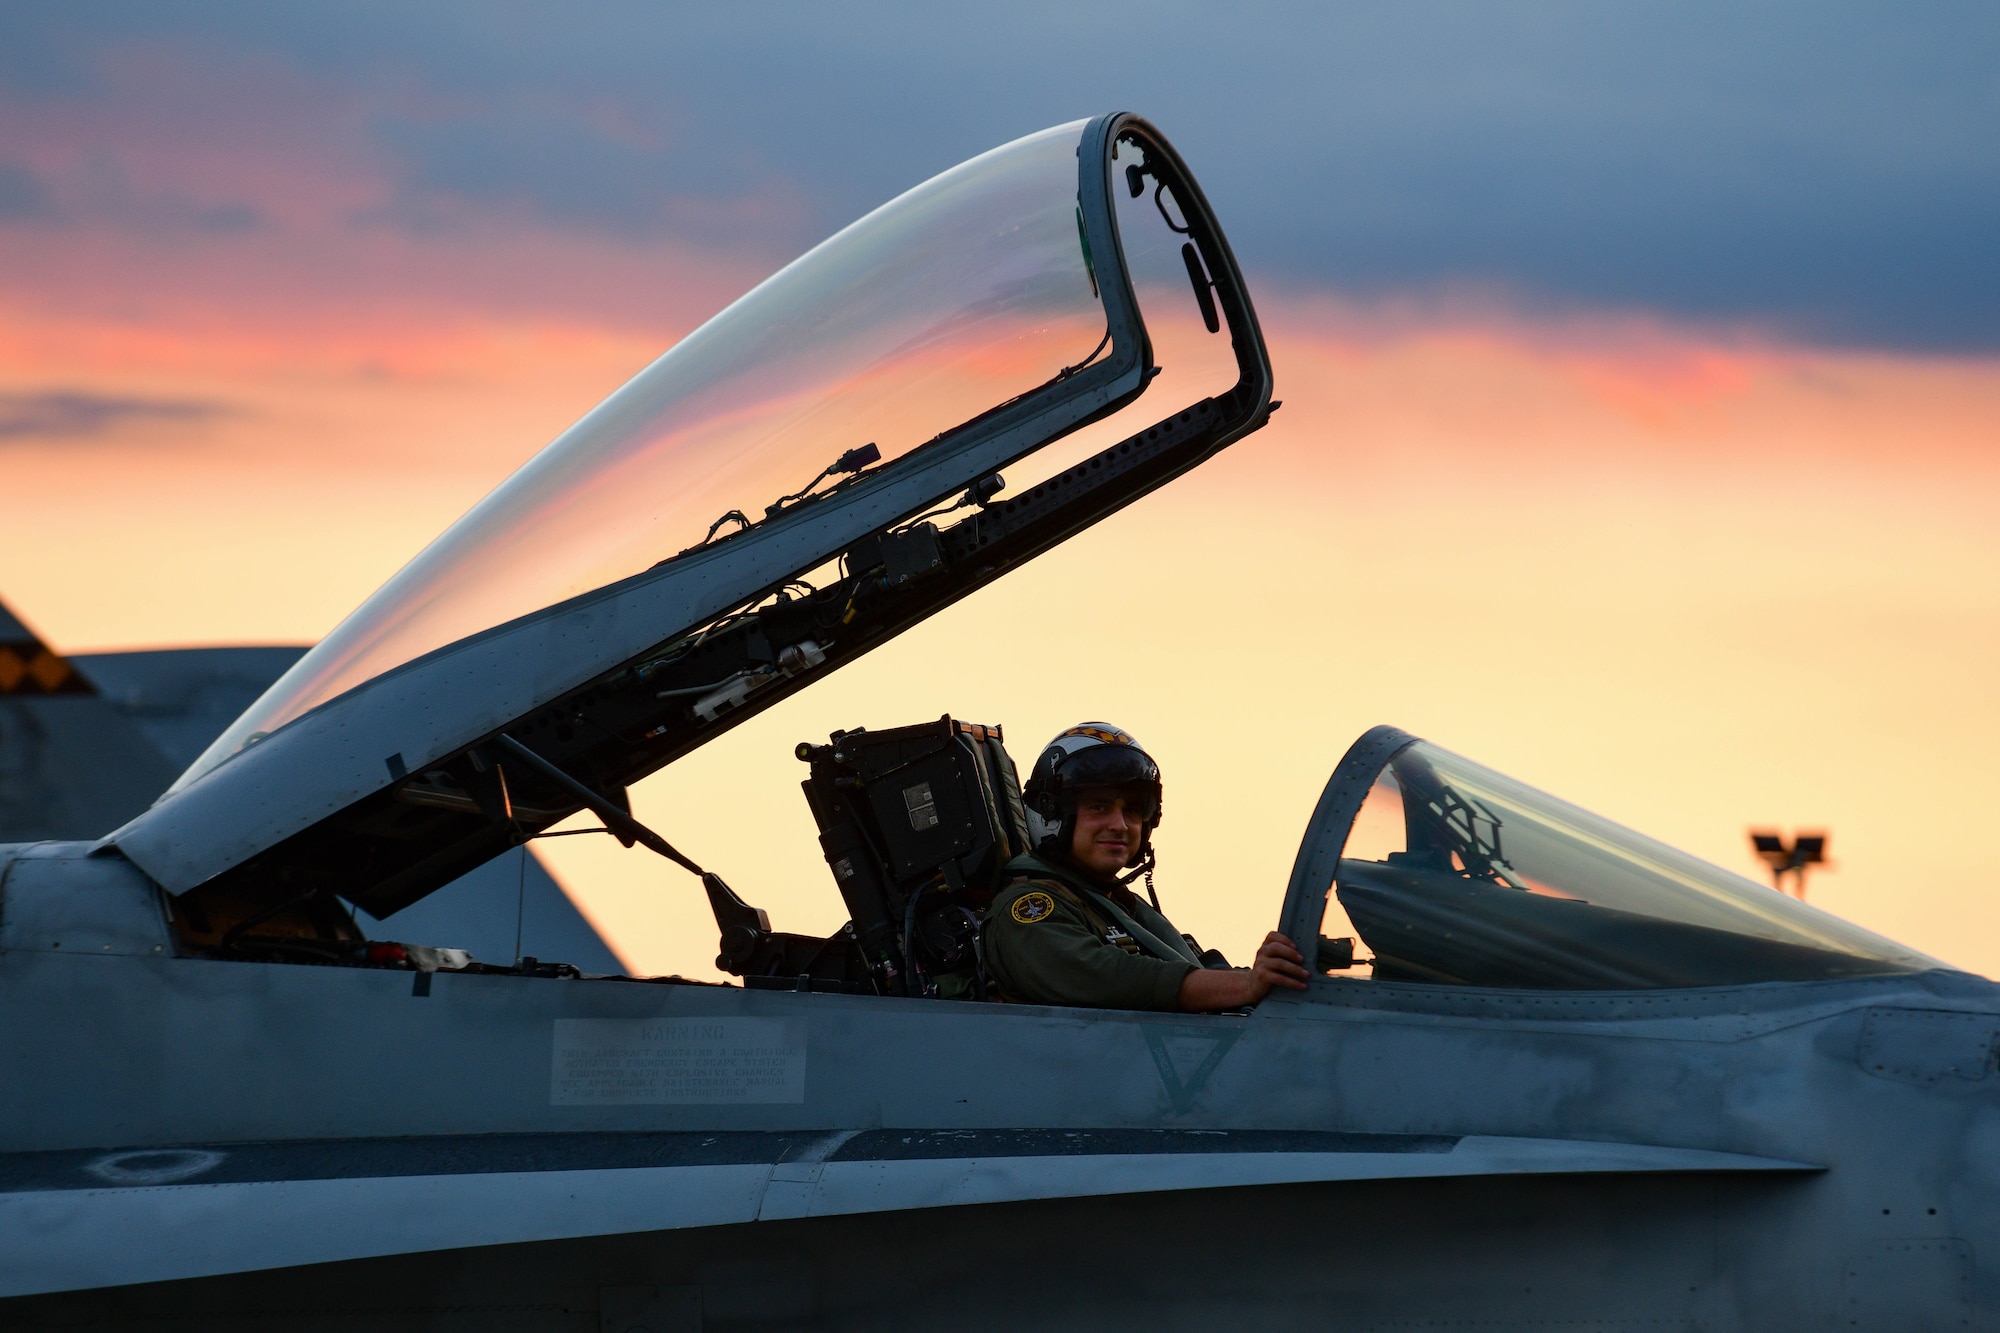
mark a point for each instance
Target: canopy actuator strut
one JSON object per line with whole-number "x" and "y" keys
{"x": 731, "y": 912}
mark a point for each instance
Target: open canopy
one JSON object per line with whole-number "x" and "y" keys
{"x": 810, "y": 472}
{"x": 970, "y": 290}
{"x": 1452, "y": 873}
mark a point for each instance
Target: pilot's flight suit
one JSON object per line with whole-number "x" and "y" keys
{"x": 1055, "y": 936}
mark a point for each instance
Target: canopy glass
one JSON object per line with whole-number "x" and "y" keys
{"x": 966, "y": 292}
{"x": 1453, "y": 873}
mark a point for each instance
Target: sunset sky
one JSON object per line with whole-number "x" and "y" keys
{"x": 1640, "y": 368}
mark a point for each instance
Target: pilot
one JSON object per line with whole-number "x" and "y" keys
{"x": 1064, "y": 929}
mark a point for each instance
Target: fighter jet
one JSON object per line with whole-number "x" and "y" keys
{"x": 1550, "y": 1074}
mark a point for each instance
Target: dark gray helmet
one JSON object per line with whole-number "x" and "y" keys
{"x": 1089, "y": 754}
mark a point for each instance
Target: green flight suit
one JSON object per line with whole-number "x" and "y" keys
{"x": 1056, "y": 936}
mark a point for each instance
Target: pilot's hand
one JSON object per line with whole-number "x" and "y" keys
{"x": 1279, "y": 963}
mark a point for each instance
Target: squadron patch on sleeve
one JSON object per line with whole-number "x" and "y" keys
{"x": 1032, "y": 907}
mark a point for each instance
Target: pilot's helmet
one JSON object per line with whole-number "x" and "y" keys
{"x": 1089, "y": 754}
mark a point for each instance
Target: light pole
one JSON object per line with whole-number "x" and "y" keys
{"x": 1804, "y": 851}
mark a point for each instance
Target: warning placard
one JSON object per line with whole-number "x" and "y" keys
{"x": 675, "y": 1061}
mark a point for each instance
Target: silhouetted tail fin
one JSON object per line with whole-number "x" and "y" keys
{"x": 29, "y": 666}
{"x": 71, "y": 764}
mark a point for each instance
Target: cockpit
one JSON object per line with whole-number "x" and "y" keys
{"x": 952, "y": 385}
{"x": 955, "y": 383}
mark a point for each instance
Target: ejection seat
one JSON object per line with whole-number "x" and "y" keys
{"x": 916, "y": 824}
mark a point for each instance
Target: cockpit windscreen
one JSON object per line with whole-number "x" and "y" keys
{"x": 1453, "y": 873}
{"x": 962, "y": 294}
